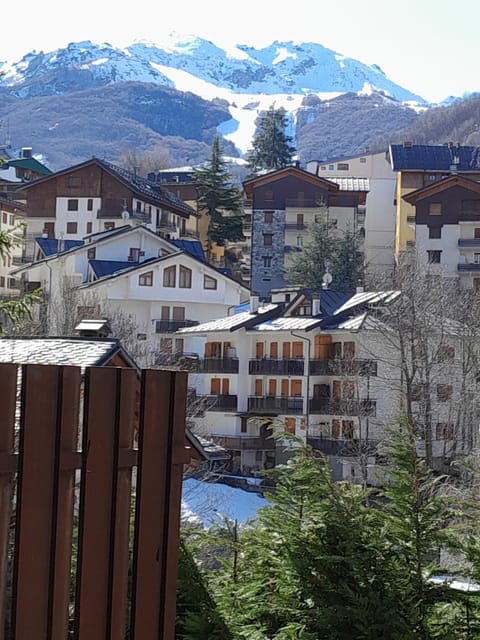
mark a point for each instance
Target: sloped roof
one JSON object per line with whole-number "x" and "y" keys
{"x": 193, "y": 247}
{"x": 52, "y": 246}
{"x": 138, "y": 185}
{"x": 108, "y": 267}
{"x": 422, "y": 157}
{"x": 442, "y": 185}
{"x": 352, "y": 184}
{"x": 79, "y": 352}
{"x": 31, "y": 164}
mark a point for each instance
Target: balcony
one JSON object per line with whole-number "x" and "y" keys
{"x": 189, "y": 233}
{"x": 469, "y": 266}
{"x": 295, "y": 226}
{"x": 166, "y": 224}
{"x": 343, "y": 366}
{"x": 469, "y": 242}
{"x": 218, "y": 365}
{"x": 411, "y": 219}
{"x": 259, "y": 405}
{"x": 343, "y": 407}
{"x": 219, "y": 402}
{"x": 143, "y": 217}
{"x": 301, "y": 203}
{"x": 170, "y": 326}
{"x": 281, "y": 367}
{"x": 346, "y": 447}
{"x": 244, "y": 442}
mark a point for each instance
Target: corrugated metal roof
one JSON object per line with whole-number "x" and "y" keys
{"x": 352, "y": 184}
{"x": 287, "y": 324}
{"x": 228, "y": 323}
{"x": 80, "y": 352}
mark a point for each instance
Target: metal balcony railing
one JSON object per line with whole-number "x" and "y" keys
{"x": 244, "y": 442}
{"x": 275, "y": 404}
{"x": 343, "y": 407}
{"x": 220, "y": 402}
{"x": 276, "y": 367}
{"x": 170, "y": 326}
{"x": 343, "y": 366}
{"x": 218, "y": 365}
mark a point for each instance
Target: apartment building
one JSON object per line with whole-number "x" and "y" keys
{"x": 417, "y": 166}
{"x": 96, "y": 196}
{"x": 283, "y": 204}
{"x": 378, "y": 217}
{"x": 319, "y": 366}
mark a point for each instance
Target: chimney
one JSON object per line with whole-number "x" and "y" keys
{"x": 359, "y": 290}
{"x": 254, "y": 301}
{"x": 315, "y": 304}
{"x": 93, "y": 328}
{"x": 26, "y": 152}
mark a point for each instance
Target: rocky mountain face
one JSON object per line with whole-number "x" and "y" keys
{"x": 89, "y": 99}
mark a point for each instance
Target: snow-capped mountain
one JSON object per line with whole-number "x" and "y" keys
{"x": 280, "y": 68}
{"x": 64, "y": 92}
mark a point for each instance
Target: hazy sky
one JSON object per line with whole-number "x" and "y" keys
{"x": 431, "y": 47}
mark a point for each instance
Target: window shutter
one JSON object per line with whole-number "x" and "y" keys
{"x": 215, "y": 386}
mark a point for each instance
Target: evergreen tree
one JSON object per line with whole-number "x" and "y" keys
{"x": 220, "y": 199}
{"x": 272, "y": 147}
{"x": 327, "y": 249}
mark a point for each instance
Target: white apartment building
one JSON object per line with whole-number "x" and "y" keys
{"x": 379, "y": 211}
{"x": 11, "y": 218}
{"x": 320, "y": 368}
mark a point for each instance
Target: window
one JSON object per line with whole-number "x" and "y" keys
{"x": 4, "y": 218}
{"x": 145, "y": 279}
{"x": 12, "y": 220}
{"x": 267, "y": 239}
{"x": 2, "y": 281}
{"x": 72, "y": 204}
{"x": 434, "y": 257}
{"x": 268, "y": 217}
{"x": 300, "y": 221}
{"x": 476, "y": 258}
{"x": 331, "y": 167}
{"x": 141, "y": 336}
{"x": 108, "y": 226}
{"x": 91, "y": 253}
{"x": 267, "y": 262}
{"x": 444, "y": 392}
{"x": 179, "y": 345}
{"x": 90, "y": 204}
{"x": 290, "y": 425}
{"x": 476, "y": 285}
{"x": 89, "y": 227}
{"x": 343, "y": 166}
{"x": 434, "y": 233}
{"x": 209, "y": 282}
{"x": 134, "y": 254}
{"x": 185, "y": 278}
{"x": 72, "y": 227}
{"x": 347, "y": 429}
{"x": 432, "y": 178}
{"x": 363, "y": 160}
{"x": 11, "y": 283}
{"x": 435, "y": 208}
{"x": 299, "y": 241}
{"x": 323, "y": 168}
{"x": 169, "y": 276}
{"x": 476, "y": 232}
{"x": 72, "y": 181}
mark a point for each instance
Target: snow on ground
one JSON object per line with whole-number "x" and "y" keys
{"x": 206, "y": 502}
{"x": 244, "y": 108}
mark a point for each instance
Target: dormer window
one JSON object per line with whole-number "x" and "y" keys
{"x": 435, "y": 208}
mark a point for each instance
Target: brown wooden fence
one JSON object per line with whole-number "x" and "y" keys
{"x": 89, "y": 504}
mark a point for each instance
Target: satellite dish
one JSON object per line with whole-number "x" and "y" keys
{"x": 125, "y": 215}
{"x": 327, "y": 279}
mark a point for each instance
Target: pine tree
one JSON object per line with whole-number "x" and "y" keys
{"x": 272, "y": 147}
{"x": 327, "y": 249}
{"x": 220, "y": 199}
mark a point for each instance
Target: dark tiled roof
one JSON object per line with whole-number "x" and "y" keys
{"x": 51, "y": 246}
{"x": 193, "y": 247}
{"x": 80, "y": 352}
{"x": 103, "y": 268}
{"x": 434, "y": 157}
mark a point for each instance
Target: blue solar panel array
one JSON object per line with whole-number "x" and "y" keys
{"x": 434, "y": 157}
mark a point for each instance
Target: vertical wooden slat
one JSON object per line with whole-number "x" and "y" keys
{"x": 104, "y": 502}
{"x": 41, "y": 568}
{"x": 8, "y": 385}
{"x": 161, "y": 457}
